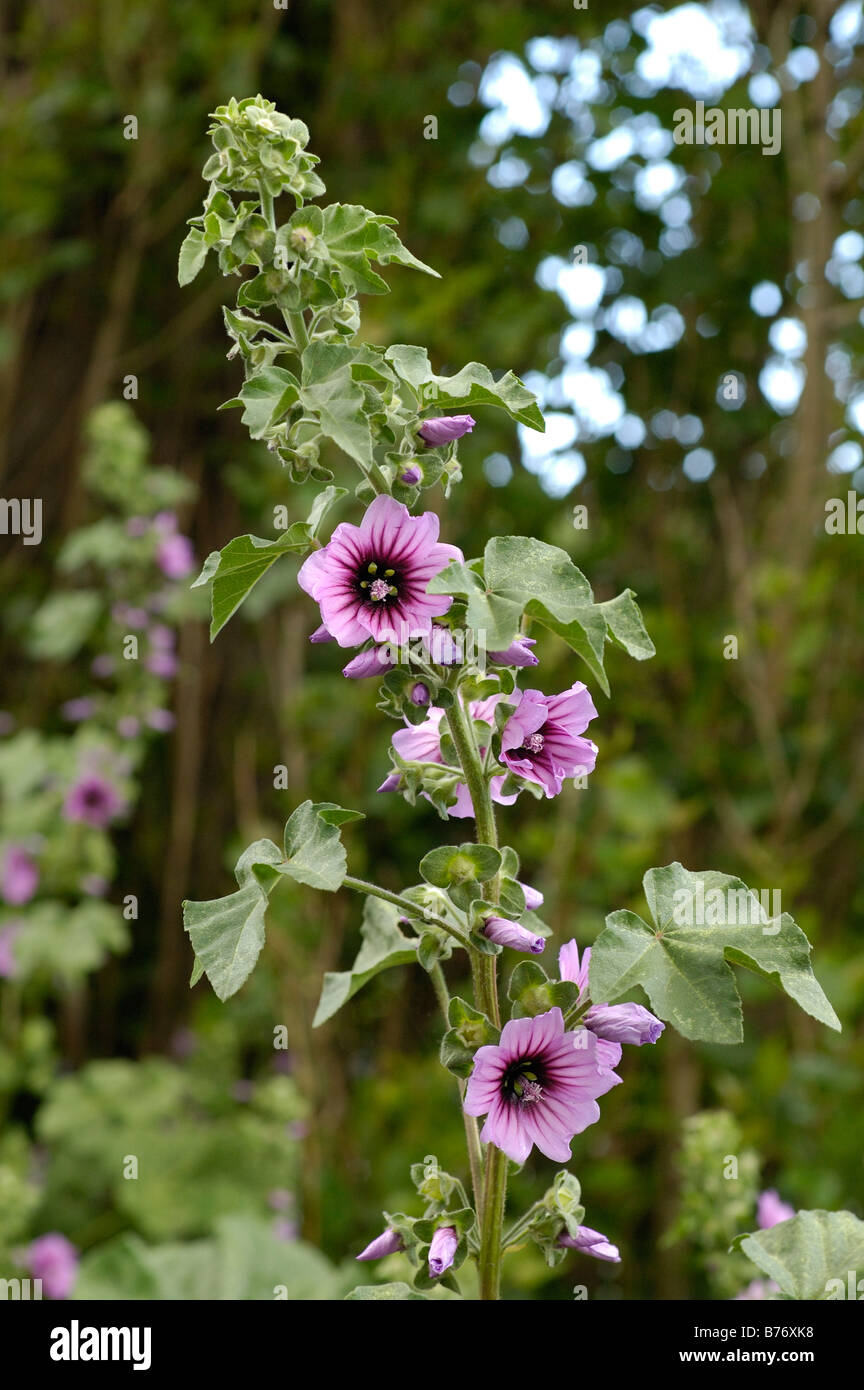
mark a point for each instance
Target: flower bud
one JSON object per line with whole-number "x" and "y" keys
{"x": 533, "y": 898}
{"x": 442, "y": 1250}
{"x": 505, "y": 933}
{"x": 419, "y": 694}
{"x": 373, "y": 662}
{"x": 517, "y": 654}
{"x": 302, "y": 239}
{"x": 388, "y": 1243}
{"x": 624, "y": 1023}
{"x": 410, "y": 475}
{"x": 441, "y": 429}
{"x": 591, "y": 1243}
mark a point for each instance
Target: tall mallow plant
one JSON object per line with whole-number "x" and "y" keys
{"x": 447, "y": 638}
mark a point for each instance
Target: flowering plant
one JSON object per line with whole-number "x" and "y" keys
{"x": 448, "y": 638}
{"x": 62, "y": 794}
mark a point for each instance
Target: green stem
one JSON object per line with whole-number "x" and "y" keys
{"x": 442, "y": 994}
{"x": 297, "y": 324}
{"x": 472, "y": 1136}
{"x": 518, "y": 1229}
{"x": 410, "y": 909}
{"x": 494, "y": 1198}
{"x": 490, "y": 1213}
{"x": 483, "y": 967}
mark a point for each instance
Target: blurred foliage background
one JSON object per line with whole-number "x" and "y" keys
{"x": 700, "y": 363}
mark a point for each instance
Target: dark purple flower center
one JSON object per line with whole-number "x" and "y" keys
{"x": 377, "y": 582}
{"x": 522, "y": 1082}
{"x": 93, "y": 796}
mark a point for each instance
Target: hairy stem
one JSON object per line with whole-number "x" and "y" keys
{"x": 472, "y": 1137}
{"x": 492, "y": 1222}
{"x": 484, "y": 969}
{"x": 410, "y": 909}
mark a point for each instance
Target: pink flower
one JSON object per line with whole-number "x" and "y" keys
{"x": 538, "y": 1085}
{"x": 771, "y": 1210}
{"x": 162, "y": 720}
{"x": 540, "y": 740}
{"x": 370, "y": 580}
{"x": 79, "y": 709}
{"x": 93, "y": 800}
{"x": 161, "y": 663}
{"x": 175, "y": 556}
{"x": 20, "y": 876}
{"x": 54, "y": 1260}
{"x": 591, "y": 1243}
{"x": 441, "y": 429}
{"x": 421, "y": 743}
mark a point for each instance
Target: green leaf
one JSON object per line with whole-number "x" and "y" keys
{"x": 193, "y": 254}
{"x": 625, "y": 624}
{"x": 235, "y": 569}
{"x": 314, "y": 853}
{"x": 383, "y": 946}
{"x": 378, "y": 1292}
{"x": 684, "y": 965}
{"x": 497, "y": 617}
{"x": 411, "y": 363}
{"x": 241, "y": 1260}
{"x": 267, "y": 396}
{"x": 546, "y": 584}
{"x": 227, "y": 934}
{"x": 354, "y": 237}
{"x": 523, "y": 576}
{"x": 330, "y": 394}
{"x": 810, "y": 1256}
{"x": 475, "y": 385}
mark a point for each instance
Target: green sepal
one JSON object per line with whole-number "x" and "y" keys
{"x": 469, "y": 1029}
{"x": 532, "y": 992}
{"x": 436, "y": 1186}
{"x": 460, "y": 864}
